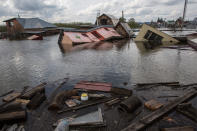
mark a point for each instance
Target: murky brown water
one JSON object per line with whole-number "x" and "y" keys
{"x": 31, "y": 62}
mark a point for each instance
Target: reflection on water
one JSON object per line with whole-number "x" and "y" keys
{"x": 31, "y": 62}
{"x": 105, "y": 45}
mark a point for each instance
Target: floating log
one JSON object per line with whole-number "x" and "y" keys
{"x": 145, "y": 121}
{"x": 188, "y": 110}
{"x": 14, "y": 106}
{"x": 56, "y": 103}
{"x": 112, "y": 102}
{"x": 36, "y": 101}
{"x": 185, "y": 128}
{"x": 158, "y": 83}
{"x": 32, "y": 92}
{"x": 121, "y": 91}
{"x": 131, "y": 104}
{"x": 12, "y": 116}
{"x": 11, "y": 96}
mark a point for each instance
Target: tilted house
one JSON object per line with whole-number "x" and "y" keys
{"x": 28, "y": 25}
{"x": 106, "y": 19}
{"x": 148, "y": 33}
{"x": 124, "y": 29}
{"x": 97, "y": 34}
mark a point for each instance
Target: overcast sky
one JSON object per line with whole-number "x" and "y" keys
{"x": 86, "y": 10}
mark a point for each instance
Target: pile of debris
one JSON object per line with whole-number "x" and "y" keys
{"x": 91, "y": 105}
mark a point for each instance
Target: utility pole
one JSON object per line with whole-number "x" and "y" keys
{"x": 123, "y": 20}
{"x": 98, "y": 14}
{"x": 184, "y": 12}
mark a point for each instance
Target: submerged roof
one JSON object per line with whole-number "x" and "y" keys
{"x": 85, "y": 31}
{"x": 32, "y": 23}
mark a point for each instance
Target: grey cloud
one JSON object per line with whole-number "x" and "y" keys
{"x": 32, "y": 5}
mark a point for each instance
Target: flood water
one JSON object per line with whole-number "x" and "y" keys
{"x": 29, "y": 62}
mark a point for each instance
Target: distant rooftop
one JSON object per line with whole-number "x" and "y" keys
{"x": 32, "y": 23}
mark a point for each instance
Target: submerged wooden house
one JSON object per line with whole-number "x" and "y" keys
{"x": 73, "y": 36}
{"x": 29, "y": 26}
{"x": 124, "y": 29}
{"x": 106, "y": 19}
{"x": 148, "y": 33}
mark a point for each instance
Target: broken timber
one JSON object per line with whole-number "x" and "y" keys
{"x": 32, "y": 92}
{"x": 9, "y": 116}
{"x": 85, "y": 105}
{"x": 11, "y": 97}
{"x": 36, "y": 101}
{"x": 56, "y": 103}
{"x": 185, "y": 128}
{"x": 145, "y": 121}
{"x": 189, "y": 111}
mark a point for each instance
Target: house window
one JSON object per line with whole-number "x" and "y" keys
{"x": 96, "y": 34}
{"x": 103, "y": 22}
{"x": 10, "y": 24}
{"x": 151, "y": 36}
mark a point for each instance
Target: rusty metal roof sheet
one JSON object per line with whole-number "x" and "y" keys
{"x": 97, "y": 86}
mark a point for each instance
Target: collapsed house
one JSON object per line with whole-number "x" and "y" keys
{"x": 148, "y": 33}
{"x": 29, "y": 26}
{"x": 106, "y": 19}
{"x": 73, "y": 36}
{"x": 124, "y": 29}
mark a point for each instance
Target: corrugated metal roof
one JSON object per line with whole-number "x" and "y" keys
{"x": 84, "y": 31}
{"x": 34, "y": 23}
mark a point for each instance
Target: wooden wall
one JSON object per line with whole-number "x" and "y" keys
{"x": 109, "y": 21}
{"x": 121, "y": 31}
{"x": 15, "y": 28}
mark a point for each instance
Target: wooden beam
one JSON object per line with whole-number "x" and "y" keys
{"x": 145, "y": 121}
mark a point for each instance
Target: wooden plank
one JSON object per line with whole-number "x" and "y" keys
{"x": 11, "y": 96}
{"x": 112, "y": 102}
{"x": 94, "y": 86}
{"x": 189, "y": 111}
{"x": 185, "y": 128}
{"x": 12, "y": 116}
{"x": 33, "y": 91}
{"x": 142, "y": 123}
{"x": 36, "y": 101}
{"x": 85, "y": 105}
{"x": 121, "y": 91}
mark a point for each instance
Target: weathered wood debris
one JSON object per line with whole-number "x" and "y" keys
{"x": 126, "y": 103}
